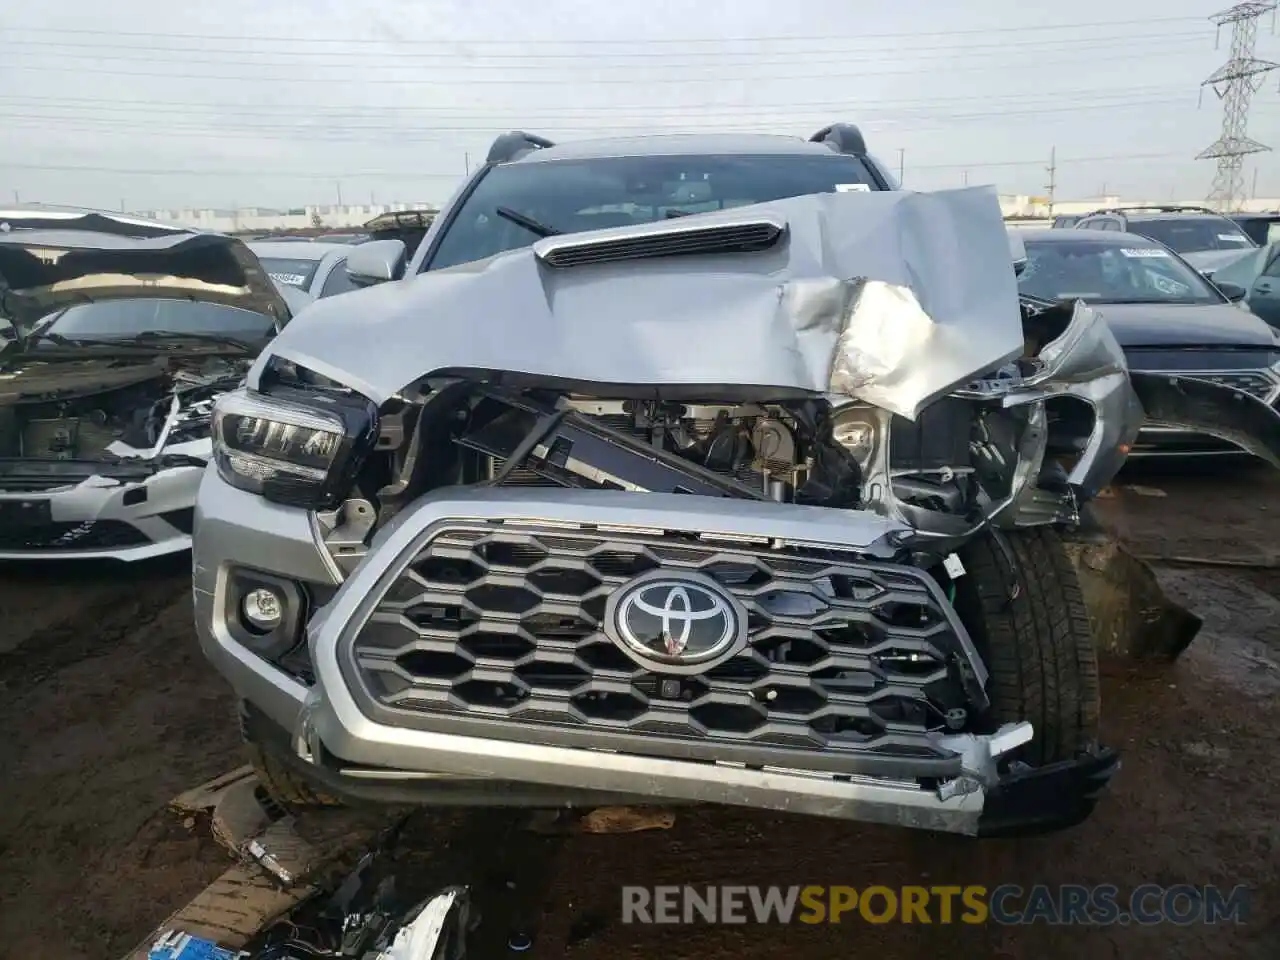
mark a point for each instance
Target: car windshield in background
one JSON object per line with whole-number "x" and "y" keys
{"x": 121, "y": 319}
{"x": 296, "y": 273}
{"x": 570, "y": 196}
{"x": 1123, "y": 271}
{"x": 1193, "y": 234}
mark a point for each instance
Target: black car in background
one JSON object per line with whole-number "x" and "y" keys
{"x": 1165, "y": 315}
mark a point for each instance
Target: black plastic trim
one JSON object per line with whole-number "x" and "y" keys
{"x": 1048, "y": 799}
{"x": 284, "y": 638}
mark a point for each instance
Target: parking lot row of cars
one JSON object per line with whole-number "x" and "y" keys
{"x": 105, "y": 398}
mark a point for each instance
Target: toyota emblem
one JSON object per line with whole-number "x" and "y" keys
{"x": 676, "y": 619}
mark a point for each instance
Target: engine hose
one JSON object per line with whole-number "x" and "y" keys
{"x": 545, "y": 425}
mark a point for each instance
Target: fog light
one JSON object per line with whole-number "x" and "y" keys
{"x": 262, "y": 609}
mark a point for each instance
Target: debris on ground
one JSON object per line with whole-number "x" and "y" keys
{"x": 1145, "y": 491}
{"x": 1131, "y": 614}
{"x": 367, "y": 918}
{"x": 176, "y": 945}
{"x": 1206, "y": 751}
{"x": 277, "y": 859}
{"x": 601, "y": 820}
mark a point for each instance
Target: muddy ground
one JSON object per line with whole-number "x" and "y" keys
{"x": 107, "y": 711}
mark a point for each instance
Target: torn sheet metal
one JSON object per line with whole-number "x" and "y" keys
{"x": 1084, "y": 362}
{"x": 892, "y": 298}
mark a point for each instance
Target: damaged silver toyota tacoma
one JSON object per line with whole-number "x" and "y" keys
{"x": 116, "y": 336}
{"x": 749, "y": 495}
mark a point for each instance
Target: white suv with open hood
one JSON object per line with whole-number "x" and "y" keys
{"x": 118, "y": 334}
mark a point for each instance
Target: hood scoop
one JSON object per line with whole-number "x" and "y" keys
{"x": 647, "y": 241}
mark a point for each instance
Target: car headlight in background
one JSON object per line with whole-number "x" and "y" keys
{"x": 299, "y": 449}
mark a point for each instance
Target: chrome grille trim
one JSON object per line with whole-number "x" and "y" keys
{"x": 460, "y": 677}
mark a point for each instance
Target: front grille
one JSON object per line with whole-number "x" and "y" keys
{"x": 85, "y": 535}
{"x": 501, "y": 626}
{"x": 1253, "y": 382}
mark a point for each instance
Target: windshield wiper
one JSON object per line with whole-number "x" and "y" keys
{"x": 530, "y": 224}
{"x": 154, "y": 336}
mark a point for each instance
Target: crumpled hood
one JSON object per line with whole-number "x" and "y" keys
{"x": 893, "y": 298}
{"x": 50, "y": 263}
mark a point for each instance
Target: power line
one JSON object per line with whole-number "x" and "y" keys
{"x": 573, "y": 111}
{"x": 1235, "y": 82}
{"x": 466, "y": 58}
{"x": 753, "y": 77}
{"x": 463, "y": 41}
{"x": 453, "y": 175}
{"x": 354, "y": 133}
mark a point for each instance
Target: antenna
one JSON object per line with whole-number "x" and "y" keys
{"x": 1235, "y": 83}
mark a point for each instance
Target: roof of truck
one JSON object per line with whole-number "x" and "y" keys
{"x": 678, "y": 145}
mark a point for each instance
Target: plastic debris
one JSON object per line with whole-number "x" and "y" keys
{"x": 437, "y": 932}
{"x": 519, "y": 942}
{"x": 259, "y": 854}
{"x": 1146, "y": 491}
{"x": 176, "y": 945}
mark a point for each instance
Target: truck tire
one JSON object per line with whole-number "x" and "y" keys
{"x": 1031, "y": 626}
{"x": 284, "y": 788}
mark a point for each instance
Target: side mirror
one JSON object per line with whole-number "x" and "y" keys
{"x": 1232, "y": 291}
{"x": 375, "y": 262}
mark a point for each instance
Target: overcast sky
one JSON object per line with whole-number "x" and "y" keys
{"x": 157, "y": 103}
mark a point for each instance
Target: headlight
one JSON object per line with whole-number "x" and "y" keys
{"x": 302, "y": 449}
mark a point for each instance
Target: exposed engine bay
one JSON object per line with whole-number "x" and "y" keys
{"x": 111, "y": 412}
{"x": 968, "y": 460}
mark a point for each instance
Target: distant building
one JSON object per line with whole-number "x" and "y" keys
{"x": 265, "y": 219}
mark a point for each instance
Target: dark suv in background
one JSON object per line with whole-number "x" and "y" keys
{"x": 1204, "y": 238}
{"x": 1262, "y": 228}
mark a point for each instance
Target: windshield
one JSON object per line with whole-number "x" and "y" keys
{"x": 569, "y": 196}
{"x": 119, "y": 319}
{"x": 296, "y": 273}
{"x": 1193, "y": 234}
{"x": 1123, "y": 271}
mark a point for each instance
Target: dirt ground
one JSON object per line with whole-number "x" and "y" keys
{"x": 108, "y": 711}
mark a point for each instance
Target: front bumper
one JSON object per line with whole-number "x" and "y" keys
{"x": 1022, "y": 803}
{"x": 99, "y": 513}
{"x": 355, "y": 742}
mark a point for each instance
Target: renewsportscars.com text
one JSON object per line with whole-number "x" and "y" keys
{"x": 1068, "y": 904}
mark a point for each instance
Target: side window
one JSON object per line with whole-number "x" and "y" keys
{"x": 1112, "y": 225}
{"x": 1273, "y": 268}
{"x": 338, "y": 281}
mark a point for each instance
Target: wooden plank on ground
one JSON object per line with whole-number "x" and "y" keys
{"x": 207, "y": 795}
{"x": 230, "y": 910}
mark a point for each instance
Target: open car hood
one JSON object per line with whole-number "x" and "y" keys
{"x": 51, "y": 261}
{"x": 893, "y": 298}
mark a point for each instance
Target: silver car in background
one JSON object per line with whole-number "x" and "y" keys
{"x": 313, "y": 266}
